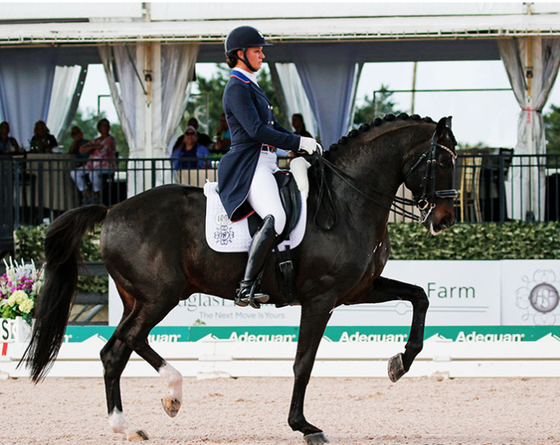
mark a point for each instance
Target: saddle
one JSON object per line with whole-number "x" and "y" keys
{"x": 224, "y": 236}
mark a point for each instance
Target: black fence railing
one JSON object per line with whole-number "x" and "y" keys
{"x": 493, "y": 185}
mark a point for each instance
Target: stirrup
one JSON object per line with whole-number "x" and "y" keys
{"x": 247, "y": 295}
{"x": 241, "y": 302}
{"x": 258, "y": 298}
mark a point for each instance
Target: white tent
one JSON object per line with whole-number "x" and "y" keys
{"x": 327, "y": 43}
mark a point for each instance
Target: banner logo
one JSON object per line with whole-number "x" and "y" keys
{"x": 539, "y": 297}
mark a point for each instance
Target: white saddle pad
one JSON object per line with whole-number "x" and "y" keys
{"x": 224, "y": 236}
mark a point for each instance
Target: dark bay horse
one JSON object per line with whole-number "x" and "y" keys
{"x": 154, "y": 248}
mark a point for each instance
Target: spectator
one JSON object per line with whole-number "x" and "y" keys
{"x": 42, "y": 141}
{"x": 8, "y": 145}
{"x": 223, "y": 136}
{"x": 299, "y": 126}
{"x": 190, "y": 148}
{"x": 203, "y": 138}
{"x": 77, "y": 141}
{"x": 102, "y": 150}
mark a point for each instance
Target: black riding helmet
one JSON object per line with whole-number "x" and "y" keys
{"x": 241, "y": 38}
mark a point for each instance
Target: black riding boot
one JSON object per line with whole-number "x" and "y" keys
{"x": 262, "y": 244}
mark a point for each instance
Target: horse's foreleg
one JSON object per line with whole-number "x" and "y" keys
{"x": 314, "y": 319}
{"x": 385, "y": 289}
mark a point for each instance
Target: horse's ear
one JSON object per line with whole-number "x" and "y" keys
{"x": 448, "y": 122}
{"x": 441, "y": 127}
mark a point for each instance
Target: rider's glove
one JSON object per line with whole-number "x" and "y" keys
{"x": 309, "y": 145}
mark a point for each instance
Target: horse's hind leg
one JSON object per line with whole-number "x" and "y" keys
{"x": 134, "y": 332}
{"x": 115, "y": 355}
{"x": 131, "y": 334}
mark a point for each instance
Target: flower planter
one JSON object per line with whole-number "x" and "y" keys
{"x": 14, "y": 330}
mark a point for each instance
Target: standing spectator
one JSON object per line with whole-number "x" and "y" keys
{"x": 190, "y": 148}
{"x": 223, "y": 136}
{"x": 299, "y": 125}
{"x": 8, "y": 145}
{"x": 102, "y": 150}
{"x": 42, "y": 141}
{"x": 77, "y": 141}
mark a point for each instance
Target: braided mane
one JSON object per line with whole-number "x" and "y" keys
{"x": 377, "y": 124}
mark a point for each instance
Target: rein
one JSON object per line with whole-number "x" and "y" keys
{"x": 425, "y": 203}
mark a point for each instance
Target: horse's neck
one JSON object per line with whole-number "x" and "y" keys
{"x": 377, "y": 171}
{"x": 375, "y": 162}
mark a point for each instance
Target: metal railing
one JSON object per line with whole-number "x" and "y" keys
{"x": 494, "y": 186}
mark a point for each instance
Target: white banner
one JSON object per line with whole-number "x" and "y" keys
{"x": 460, "y": 293}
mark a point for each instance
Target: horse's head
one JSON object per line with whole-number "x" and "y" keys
{"x": 430, "y": 178}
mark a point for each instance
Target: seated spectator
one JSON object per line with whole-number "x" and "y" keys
{"x": 299, "y": 126}
{"x": 203, "y": 138}
{"x": 223, "y": 136}
{"x": 42, "y": 141}
{"x": 190, "y": 148}
{"x": 78, "y": 140}
{"x": 102, "y": 151}
{"x": 8, "y": 145}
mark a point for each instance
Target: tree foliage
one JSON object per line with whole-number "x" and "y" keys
{"x": 206, "y": 105}
{"x": 552, "y": 130}
{"x": 383, "y": 105}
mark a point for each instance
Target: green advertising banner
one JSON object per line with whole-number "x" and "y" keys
{"x": 348, "y": 334}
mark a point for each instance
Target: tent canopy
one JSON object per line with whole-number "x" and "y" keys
{"x": 63, "y": 23}
{"x": 327, "y": 46}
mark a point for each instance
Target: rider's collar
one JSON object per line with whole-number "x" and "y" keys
{"x": 245, "y": 75}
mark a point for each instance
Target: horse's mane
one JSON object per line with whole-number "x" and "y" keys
{"x": 378, "y": 125}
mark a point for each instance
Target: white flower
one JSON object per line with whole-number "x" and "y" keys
{"x": 18, "y": 297}
{"x": 27, "y": 306}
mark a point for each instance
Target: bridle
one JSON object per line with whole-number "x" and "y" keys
{"x": 425, "y": 202}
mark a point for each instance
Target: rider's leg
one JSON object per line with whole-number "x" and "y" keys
{"x": 265, "y": 200}
{"x": 262, "y": 244}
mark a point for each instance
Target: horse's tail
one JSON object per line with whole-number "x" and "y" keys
{"x": 62, "y": 252}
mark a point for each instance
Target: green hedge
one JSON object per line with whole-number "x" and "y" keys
{"x": 488, "y": 241}
{"x": 30, "y": 246}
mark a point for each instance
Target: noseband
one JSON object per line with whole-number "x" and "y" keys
{"x": 425, "y": 203}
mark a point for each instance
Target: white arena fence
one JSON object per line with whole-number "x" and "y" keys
{"x": 486, "y": 319}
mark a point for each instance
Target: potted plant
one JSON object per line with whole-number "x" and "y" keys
{"x": 19, "y": 287}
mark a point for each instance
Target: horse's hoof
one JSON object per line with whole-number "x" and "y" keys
{"x": 137, "y": 435}
{"x": 171, "y": 406}
{"x": 316, "y": 438}
{"x": 395, "y": 367}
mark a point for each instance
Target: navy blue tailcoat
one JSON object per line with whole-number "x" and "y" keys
{"x": 252, "y": 124}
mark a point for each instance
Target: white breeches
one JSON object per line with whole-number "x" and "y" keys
{"x": 79, "y": 177}
{"x": 264, "y": 196}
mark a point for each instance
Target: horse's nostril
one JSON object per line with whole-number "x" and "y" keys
{"x": 447, "y": 222}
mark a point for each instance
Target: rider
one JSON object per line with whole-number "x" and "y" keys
{"x": 245, "y": 174}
